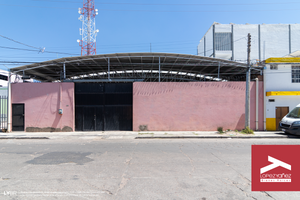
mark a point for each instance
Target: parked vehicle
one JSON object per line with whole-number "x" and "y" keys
{"x": 291, "y": 122}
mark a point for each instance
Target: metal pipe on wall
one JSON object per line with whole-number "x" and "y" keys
{"x": 64, "y": 71}
{"x": 256, "y": 111}
{"x": 9, "y": 112}
{"x": 264, "y": 80}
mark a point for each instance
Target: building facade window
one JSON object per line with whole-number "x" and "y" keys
{"x": 274, "y": 67}
{"x": 223, "y": 41}
{"x": 295, "y": 74}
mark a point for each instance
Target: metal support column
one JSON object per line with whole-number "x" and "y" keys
{"x": 108, "y": 70}
{"x": 64, "y": 71}
{"x": 232, "y": 43}
{"x": 214, "y": 42}
{"x": 259, "y": 44}
{"x": 290, "y": 39}
{"x": 219, "y": 70}
{"x": 204, "y": 46}
{"x": 159, "y": 70}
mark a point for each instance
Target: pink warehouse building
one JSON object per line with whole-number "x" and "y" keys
{"x": 145, "y": 91}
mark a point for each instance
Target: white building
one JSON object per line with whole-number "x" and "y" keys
{"x": 4, "y": 81}
{"x": 282, "y": 88}
{"x": 229, "y": 41}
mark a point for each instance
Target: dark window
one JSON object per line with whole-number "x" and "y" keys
{"x": 274, "y": 67}
{"x": 223, "y": 41}
{"x": 295, "y": 74}
{"x": 295, "y": 113}
{"x": 3, "y": 77}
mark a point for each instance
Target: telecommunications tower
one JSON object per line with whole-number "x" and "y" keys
{"x": 88, "y": 31}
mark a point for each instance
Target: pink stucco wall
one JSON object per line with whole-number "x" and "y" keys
{"x": 193, "y": 106}
{"x": 42, "y": 101}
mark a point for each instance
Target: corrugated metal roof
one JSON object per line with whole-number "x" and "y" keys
{"x": 173, "y": 67}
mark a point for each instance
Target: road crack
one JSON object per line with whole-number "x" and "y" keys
{"x": 191, "y": 161}
{"x": 245, "y": 178}
{"x": 125, "y": 180}
{"x": 94, "y": 186}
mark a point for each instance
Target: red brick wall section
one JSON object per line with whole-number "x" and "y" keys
{"x": 193, "y": 106}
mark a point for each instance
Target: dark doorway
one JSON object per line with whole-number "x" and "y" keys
{"x": 17, "y": 117}
{"x": 103, "y": 106}
{"x": 280, "y": 113}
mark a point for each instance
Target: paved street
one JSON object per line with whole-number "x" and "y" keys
{"x": 95, "y": 168}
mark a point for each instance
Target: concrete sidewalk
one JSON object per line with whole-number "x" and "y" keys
{"x": 145, "y": 135}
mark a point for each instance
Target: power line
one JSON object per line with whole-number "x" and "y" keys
{"x": 17, "y": 62}
{"x": 35, "y": 50}
{"x": 181, "y": 4}
{"x": 40, "y": 49}
{"x": 164, "y": 11}
{"x": 197, "y": 11}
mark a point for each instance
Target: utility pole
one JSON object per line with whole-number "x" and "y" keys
{"x": 248, "y": 77}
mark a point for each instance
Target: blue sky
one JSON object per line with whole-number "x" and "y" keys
{"x": 125, "y": 26}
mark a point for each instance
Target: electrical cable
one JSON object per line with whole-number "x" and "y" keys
{"x": 180, "y": 4}
{"x": 165, "y": 11}
{"x": 35, "y": 50}
{"x": 19, "y": 42}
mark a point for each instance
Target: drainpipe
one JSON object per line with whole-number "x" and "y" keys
{"x": 9, "y": 103}
{"x": 264, "y": 80}
{"x": 256, "y": 117}
{"x": 64, "y": 68}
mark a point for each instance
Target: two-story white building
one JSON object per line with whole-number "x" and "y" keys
{"x": 282, "y": 89}
{"x": 229, "y": 41}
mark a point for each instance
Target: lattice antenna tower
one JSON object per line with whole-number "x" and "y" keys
{"x": 88, "y": 31}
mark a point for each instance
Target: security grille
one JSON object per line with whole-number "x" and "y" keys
{"x": 3, "y": 113}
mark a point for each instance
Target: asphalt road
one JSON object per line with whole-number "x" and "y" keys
{"x": 131, "y": 169}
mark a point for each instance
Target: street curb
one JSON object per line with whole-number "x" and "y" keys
{"x": 29, "y": 138}
{"x": 216, "y": 137}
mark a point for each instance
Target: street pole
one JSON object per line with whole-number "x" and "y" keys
{"x": 9, "y": 102}
{"x": 248, "y": 77}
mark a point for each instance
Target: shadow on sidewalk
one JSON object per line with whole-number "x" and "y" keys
{"x": 288, "y": 135}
